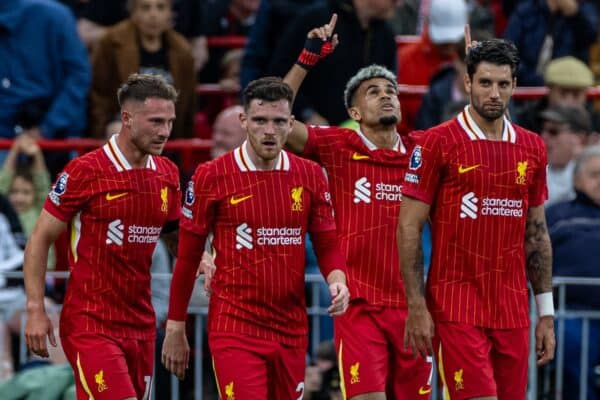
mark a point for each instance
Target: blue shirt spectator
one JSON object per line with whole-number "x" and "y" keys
{"x": 44, "y": 73}
{"x": 542, "y": 33}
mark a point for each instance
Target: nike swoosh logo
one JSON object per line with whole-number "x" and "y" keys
{"x": 357, "y": 157}
{"x": 110, "y": 197}
{"x": 233, "y": 201}
{"x": 423, "y": 390}
{"x": 462, "y": 170}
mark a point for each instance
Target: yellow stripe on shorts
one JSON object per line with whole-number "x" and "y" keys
{"x": 82, "y": 379}
{"x": 442, "y": 375}
{"x": 216, "y": 378}
{"x": 341, "y": 370}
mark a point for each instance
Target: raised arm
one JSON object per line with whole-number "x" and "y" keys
{"x": 320, "y": 42}
{"x": 538, "y": 250}
{"x": 419, "y": 324}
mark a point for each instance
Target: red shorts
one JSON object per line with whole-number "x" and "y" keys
{"x": 477, "y": 362}
{"x": 252, "y": 368}
{"x": 110, "y": 368}
{"x": 371, "y": 354}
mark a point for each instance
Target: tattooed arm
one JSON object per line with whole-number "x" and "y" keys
{"x": 419, "y": 324}
{"x": 538, "y": 251}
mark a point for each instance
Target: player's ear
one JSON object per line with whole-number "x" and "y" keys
{"x": 126, "y": 118}
{"x": 355, "y": 114}
{"x": 244, "y": 120}
{"x": 467, "y": 82}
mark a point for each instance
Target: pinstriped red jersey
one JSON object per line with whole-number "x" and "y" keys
{"x": 259, "y": 220}
{"x": 480, "y": 191}
{"x": 366, "y": 190}
{"x": 115, "y": 214}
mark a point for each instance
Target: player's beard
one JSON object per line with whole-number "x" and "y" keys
{"x": 388, "y": 120}
{"x": 488, "y": 114}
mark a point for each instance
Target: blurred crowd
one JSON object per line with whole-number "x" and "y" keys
{"x": 62, "y": 62}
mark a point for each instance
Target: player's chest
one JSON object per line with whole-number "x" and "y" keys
{"x": 263, "y": 198}
{"x": 495, "y": 166}
{"x": 132, "y": 198}
{"x": 359, "y": 179}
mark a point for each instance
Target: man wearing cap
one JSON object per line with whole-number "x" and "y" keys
{"x": 564, "y": 130}
{"x": 567, "y": 79}
{"x": 419, "y": 61}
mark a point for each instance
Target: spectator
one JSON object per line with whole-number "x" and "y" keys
{"x": 272, "y": 18}
{"x": 564, "y": 131}
{"x": 44, "y": 73}
{"x": 214, "y": 18}
{"x": 143, "y": 43}
{"x": 574, "y": 228}
{"x": 229, "y": 75}
{"x": 26, "y": 185}
{"x": 418, "y": 62}
{"x": 368, "y": 39}
{"x": 567, "y": 79}
{"x": 13, "y": 221}
{"x": 547, "y": 29}
{"x": 446, "y": 89}
{"x": 406, "y": 17}
{"x": 96, "y": 16}
{"x": 227, "y": 131}
{"x": 11, "y": 258}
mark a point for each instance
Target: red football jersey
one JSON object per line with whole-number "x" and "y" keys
{"x": 480, "y": 191}
{"x": 366, "y": 191}
{"x": 115, "y": 215}
{"x": 259, "y": 220}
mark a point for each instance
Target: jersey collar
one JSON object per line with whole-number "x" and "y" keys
{"x": 474, "y": 132}
{"x": 118, "y": 159}
{"x": 245, "y": 164}
{"x": 398, "y": 146}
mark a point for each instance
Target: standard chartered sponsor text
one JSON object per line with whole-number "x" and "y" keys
{"x": 143, "y": 234}
{"x": 502, "y": 207}
{"x": 279, "y": 236}
{"x": 388, "y": 192}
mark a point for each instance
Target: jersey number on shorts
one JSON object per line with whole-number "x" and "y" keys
{"x": 300, "y": 388}
{"x": 148, "y": 380}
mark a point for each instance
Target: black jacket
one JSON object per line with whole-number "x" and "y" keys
{"x": 323, "y": 88}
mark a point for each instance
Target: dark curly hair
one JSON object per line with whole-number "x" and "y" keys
{"x": 494, "y": 51}
{"x": 269, "y": 88}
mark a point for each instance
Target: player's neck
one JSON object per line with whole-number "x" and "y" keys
{"x": 384, "y": 137}
{"x": 263, "y": 164}
{"x": 135, "y": 157}
{"x": 259, "y": 162}
{"x": 491, "y": 129}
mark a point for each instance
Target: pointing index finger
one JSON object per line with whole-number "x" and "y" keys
{"x": 467, "y": 38}
{"x": 331, "y": 24}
